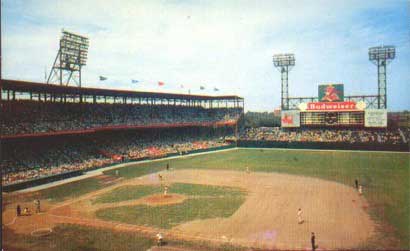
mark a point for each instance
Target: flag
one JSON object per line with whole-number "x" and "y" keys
{"x": 102, "y": 78}
{"x": 202, "y": 87}
{"x": 134, "y": 81}
{"x": 160, "y": 83}
{"x": 216, "y": 89}
{"x": 182, "y": 86}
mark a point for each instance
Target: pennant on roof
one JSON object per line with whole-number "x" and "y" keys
{"x": 102, "y": 78}
{"x": 216, "y": 89}
{"x": 182, "y": 86}
{"x": 202, "y": 87}
{"x": 134, "y": 81}
{"x": 160, "y": 83}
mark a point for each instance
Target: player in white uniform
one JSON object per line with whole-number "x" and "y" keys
{"x": 165, "y": 190}
{"x": 300, "y": 220}
{"x": 159, "y": 239}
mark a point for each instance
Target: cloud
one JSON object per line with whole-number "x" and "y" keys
{"x": 228, "y": 44}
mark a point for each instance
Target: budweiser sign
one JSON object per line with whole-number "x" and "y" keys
{"x": 332, "y": 106}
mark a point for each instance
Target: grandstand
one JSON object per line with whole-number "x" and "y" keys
{"x": 93, "y": 168}
{"x": 53, "y": 132}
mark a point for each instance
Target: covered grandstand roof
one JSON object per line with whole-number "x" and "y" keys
{"x": 24, "y": 86}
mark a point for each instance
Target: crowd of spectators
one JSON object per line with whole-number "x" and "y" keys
{"x": 325, "y": 135}
{"x": 27, "y": 117}
{"x": 42, "y": 160}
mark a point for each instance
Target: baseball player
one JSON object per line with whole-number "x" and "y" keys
{"x": 300, "y": 220}
{"x": 18, "y": 210}
{"x": 159, "y": 239}
{"x": 313, "y": 241}
{"x": 247, "y": 169}
{"x": 165, "y": 190}
{"x": 360, "y": 189}
{"x": 356, "y": 182}
{"x": 37, "y": 205}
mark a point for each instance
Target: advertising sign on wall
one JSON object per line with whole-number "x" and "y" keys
{"x": 290, "y": 118}
{"x": 331, "y": 93}
{"x": 331, "y": 106}
{"x": 375, "y": 118}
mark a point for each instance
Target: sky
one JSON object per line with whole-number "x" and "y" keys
{"x": 223, "y": 44}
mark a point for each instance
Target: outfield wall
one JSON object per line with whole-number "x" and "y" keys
{"x": 325, "y": 145}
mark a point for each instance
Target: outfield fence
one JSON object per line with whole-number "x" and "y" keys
{"x": 325, "y": 145}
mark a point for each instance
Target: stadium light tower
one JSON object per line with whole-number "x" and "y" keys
{"x": 381, "y": 56}
{"x": 71, "y": 57}
{"x": 284, "y": 63}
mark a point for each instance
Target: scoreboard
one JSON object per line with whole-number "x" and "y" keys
{"x": 332, "y": 111}
{"x": 332, "y": 118}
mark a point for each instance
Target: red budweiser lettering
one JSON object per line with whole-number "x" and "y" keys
{"x": 331, "y": 106}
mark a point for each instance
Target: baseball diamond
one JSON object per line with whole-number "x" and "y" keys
{"x": 214, "y": 200}
{"x": 160, "y": 125}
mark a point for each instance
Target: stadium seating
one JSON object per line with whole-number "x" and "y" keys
{"x": 28, "y": 117}
{"x": 41, "y": 159}
{"x": 325, "y": 135}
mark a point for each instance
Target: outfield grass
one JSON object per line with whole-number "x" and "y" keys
{"x": 131, "y": 172}
{"x": 64, "y": 191}
{"x": 384, "y": 176}
{"x": 205, "y": 190}
{"x": 125, "y": 193}
{"x": 169, "y": 216}
{"x": 71, "y": 190}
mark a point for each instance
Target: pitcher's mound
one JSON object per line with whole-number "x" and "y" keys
{"x": 160, "y": 199}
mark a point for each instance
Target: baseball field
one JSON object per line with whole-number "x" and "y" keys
{"x": 238, "y": 199}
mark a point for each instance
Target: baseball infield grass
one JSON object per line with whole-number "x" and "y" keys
{"x": 217, "y": 201}
{"x": 385, "y": 178}
{"x": 169, "y": 216}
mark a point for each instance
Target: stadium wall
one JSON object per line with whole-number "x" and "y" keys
{"x": 325, "y": 145}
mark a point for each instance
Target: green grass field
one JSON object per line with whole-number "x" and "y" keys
{"x": 171, "y": 215}
{"x": 69, "y": 237}
{"x": 385, "y": 177}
